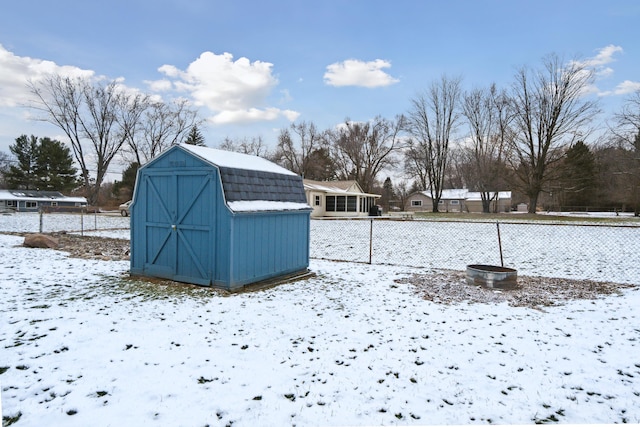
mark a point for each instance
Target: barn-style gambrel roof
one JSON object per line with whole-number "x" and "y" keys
{"x": 251, "y": 183}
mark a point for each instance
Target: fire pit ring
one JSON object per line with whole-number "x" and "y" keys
{"x": 492, "y": 276}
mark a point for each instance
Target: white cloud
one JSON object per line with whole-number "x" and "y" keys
{"x": 604, "y": 56}
{"x": 236, "y": 91}
{"x": 162, "y": 85}
{"x": 291, "y": 115}
{"x": 18, "y": 70}
{"x": 252, "y": 115}
{"x": 627, "y": 87}
{"x": 598, "y": 64}
{"x": 353, "y": 72}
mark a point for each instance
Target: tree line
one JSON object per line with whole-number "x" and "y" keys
{"x": 530, "y": 137}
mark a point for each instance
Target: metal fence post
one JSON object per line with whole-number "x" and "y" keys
{"x": 371, "y": 241}
{"x": 500, "y": 244}
{"x": 40, "y": 220}
{"x": 82, "y": 222}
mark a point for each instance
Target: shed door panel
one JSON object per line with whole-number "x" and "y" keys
{"x": 179, "y": 226}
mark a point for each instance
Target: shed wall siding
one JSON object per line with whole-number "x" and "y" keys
{"x": 268, "y": 244}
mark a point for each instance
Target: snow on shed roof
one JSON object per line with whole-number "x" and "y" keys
{"x": 230, "y": 159}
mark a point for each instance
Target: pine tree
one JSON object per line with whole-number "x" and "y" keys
{"x": 124, "y": 189}
{"x": 42, "y": 164}
{"x": 54, "y": 166}
{"x": 22, "y": 175}
{"x": 195, "y": 137}
{"x": 578, "y": 176}
{"x": 387, "y": 193}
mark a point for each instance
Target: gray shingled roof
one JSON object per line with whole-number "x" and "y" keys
{"x": 249, "y": 185}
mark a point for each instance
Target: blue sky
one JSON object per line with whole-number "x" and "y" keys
{"x": 253, "y": 67}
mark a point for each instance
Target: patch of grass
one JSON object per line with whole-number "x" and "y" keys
{"x": 8, "y": 420}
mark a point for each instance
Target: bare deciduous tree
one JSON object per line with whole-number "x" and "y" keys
{"x": 489, "y": 118}
{"x": 159, "y": 125}
{"x": 87, "y": 112}
{"x": 627, "y": 137}
{"x": 431, "y": 122}
{"x": 254, "y": 146}
{"x": 550, "y": 112}
{"x": 295, "y": 152}
{"x": 363, "y": 149}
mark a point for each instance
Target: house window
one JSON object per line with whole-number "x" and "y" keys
{"x": 455, "y": 202}
{"x": 352, "y": 203}
{"x": 317, "y": 200}
{"x": 54, "y": 203}
{"x": 416, "y": 203}
{"x": 340, "y": 203}
{"x": 441, "y": 202}
{"x": 331, "y": 203}
{"x": 12, "y": 203}
{"x": 31, "y": 205}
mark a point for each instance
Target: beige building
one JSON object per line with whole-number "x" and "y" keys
{"x": 341, "y": 199}
{"x": 458, "y": 200}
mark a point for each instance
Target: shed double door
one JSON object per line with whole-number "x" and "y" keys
{"x": 179, "y": 226}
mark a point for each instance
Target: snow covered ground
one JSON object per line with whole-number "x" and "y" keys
{"x": 83, "y": 344}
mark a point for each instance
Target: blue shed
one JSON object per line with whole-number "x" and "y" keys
{"x": 218, "y": 218}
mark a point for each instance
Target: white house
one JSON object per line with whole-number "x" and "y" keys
{"x": 338, "y": 199}
{"x": 33, "y": 201}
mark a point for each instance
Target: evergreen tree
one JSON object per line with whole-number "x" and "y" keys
{"x": 387, "y": 193}
{"x": 54, "y": 166}
{"x": 42, "y": 164}
{"x": 124, "y": 189}
{"x": 22, "y": 175}
{"x": 578, "y": 175}
{"x": 195, "y": 137}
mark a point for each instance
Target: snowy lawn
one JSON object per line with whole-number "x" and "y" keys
{"x": 82, "y": 344}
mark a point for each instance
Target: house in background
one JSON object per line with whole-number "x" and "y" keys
{"x": 338, "y": 199}
{"x": 218, "y": 218}
{"x": 33, "y": 201}
{"x": 457, "y": 200}
{"x": 500, "y": 202}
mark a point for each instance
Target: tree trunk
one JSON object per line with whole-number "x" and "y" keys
{"x": 533, "y": 202}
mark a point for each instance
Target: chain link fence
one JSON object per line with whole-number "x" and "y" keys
{"x": 537, "y": 248}
{"x": 81, "y": 222}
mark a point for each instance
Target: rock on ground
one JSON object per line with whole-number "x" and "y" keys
{"x": 40, "y": 241}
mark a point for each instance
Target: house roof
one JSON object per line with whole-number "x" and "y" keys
{"x": 251, "y": 183}
{"x": 350, "y": 187}
{"x": 39, "y": 196}
{"x": 476, "y": 195}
